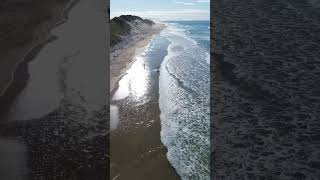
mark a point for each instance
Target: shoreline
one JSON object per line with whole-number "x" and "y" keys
{"x": 127, "y": 56}
{"x": 66, "y": 144}
{"x": 20, "y": 74}
{"x": 136, "y": 147}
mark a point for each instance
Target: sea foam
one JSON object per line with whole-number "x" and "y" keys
{"x": 184, "y": 103}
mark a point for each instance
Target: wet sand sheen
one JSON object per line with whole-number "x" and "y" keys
{"x": 65, "y": 63}
{"x": 136, "y": 149}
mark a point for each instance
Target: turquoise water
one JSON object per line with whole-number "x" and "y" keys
{"x": 184, "y": 98}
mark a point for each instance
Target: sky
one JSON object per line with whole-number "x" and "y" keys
{"x": 162, "y": 10}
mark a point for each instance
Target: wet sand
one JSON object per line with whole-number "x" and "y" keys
{"x": 66, "y": 66}
{"x": 136, "y": 149}
{"x": 24, "y": 46}
{"x": 120, "y": 60}
{"x": 72, "y": 141}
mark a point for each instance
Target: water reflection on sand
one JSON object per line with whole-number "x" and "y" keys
{"x": 135, "y": 82}
{"x": 114, "y": 117}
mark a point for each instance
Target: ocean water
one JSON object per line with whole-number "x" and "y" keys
{"x": 185, "y": 98}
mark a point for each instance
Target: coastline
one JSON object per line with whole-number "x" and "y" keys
{"x": 136, "y": 148}
{"x": 71, "y": 142}
{"x": 20, "y": 75}
{"x": 121, "y": 60}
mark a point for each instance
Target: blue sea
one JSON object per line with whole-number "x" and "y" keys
{"x": 185, "y": 98}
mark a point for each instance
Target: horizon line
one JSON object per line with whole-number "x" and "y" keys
{"x": 184, "y": 15}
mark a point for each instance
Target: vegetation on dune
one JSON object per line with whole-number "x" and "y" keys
{"x": 121, "y": 26}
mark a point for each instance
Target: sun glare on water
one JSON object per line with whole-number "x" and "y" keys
{"x": 134, "y": 83}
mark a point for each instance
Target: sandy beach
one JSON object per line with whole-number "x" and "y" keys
{"x": 66, "y": 138}
{"x": 62, "y": 63}
{"x": 120, "y": 60}
{"x": 136, "y": 148}
{"x": 22, "y": 47}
